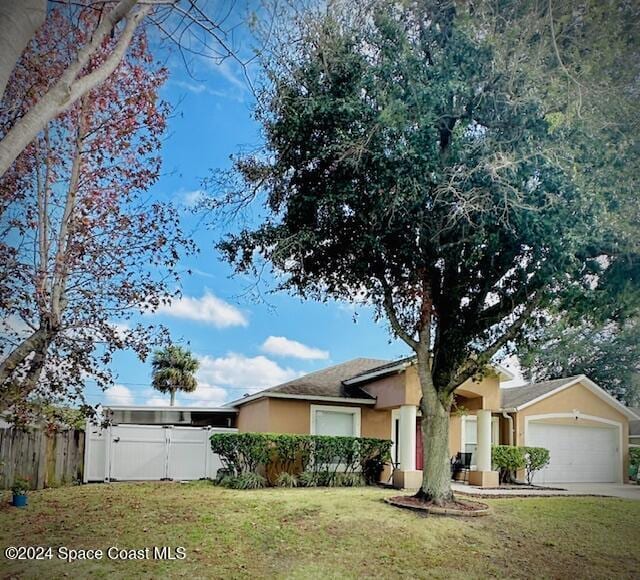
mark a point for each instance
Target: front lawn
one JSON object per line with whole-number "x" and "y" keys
{"x": 317, "y": 533}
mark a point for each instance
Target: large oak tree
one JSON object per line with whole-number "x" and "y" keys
{"x": 409, "y": 158}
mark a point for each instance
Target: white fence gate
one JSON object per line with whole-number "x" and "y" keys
{"x": 150, "y": 452}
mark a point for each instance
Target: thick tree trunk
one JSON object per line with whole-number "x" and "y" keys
{"x": 436, "y": 471}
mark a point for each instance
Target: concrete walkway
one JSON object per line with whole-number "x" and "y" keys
{"x": 627, "y": 491}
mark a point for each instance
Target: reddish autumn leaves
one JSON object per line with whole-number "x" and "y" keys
{"x": 84, "y": 243}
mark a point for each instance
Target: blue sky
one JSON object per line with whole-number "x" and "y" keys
{"x": 243, "y": 346}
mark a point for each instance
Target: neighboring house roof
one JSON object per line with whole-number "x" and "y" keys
{"x": 323, "y": 384}
{"x": 518, "y": 398}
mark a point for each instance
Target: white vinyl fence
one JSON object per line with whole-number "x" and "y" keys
{"x": 150, "y": 452}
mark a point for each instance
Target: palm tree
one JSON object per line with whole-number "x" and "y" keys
{"x": 173, "y": 369}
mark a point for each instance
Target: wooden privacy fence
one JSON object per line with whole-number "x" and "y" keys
{"x": 46, "y": 459}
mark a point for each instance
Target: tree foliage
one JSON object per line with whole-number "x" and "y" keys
{"x": 409, "y": 158}
{"x": 83, "y": 246}
{"x": 173, "y": 370}
{"x": 191, "y": 25}
{"x": 608, "y": 354}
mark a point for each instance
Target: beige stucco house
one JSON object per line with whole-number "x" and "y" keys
{"x": 585, "y": 429}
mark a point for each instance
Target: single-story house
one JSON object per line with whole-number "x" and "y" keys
{"x": 585, "y": 429}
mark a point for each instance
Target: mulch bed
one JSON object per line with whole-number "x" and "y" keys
{"x": 457, "y": 507}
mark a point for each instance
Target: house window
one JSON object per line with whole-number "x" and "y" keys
{"x": 470, "y": 435}
{"x": 331, "y": 420}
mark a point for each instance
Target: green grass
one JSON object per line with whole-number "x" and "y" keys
{"x": 318, "y": 533}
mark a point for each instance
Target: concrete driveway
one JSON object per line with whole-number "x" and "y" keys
{"x": 626, "y": 491}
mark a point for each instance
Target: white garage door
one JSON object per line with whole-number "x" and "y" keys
{"x": 577, "y": 453}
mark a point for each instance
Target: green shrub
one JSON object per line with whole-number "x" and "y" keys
{"x": 536, "y": 458}
{"x": 324, "y": 456}
{"x": 286, "y": 480}
{"x": 241, "y": 452}
{"x": 308, "y": 479}
{"x": 21, "y": 486}
{"x": 222, "y": 474}
{"x": 507, "y": 459}
{"x": 245, "y": 481}
{"x": 349, "y": 480}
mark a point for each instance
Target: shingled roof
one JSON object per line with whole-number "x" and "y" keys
{"x": 515, "y": 397}
{"x": 325, "y": 382}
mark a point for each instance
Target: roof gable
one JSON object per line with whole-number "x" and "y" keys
{"x": 519, "y": 398}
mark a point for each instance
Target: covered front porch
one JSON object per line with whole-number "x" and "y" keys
{"x": 474, "y": 422}
{"x": 472, "y": 429}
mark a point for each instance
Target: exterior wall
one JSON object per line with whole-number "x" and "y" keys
{"x": 289, "y": 416}
{"x": 414, "y": 391}
{"x": 389, "y": 391}
{"x": 455, "y": 434}
{"x": 375, "y": 423}
{"x": 488, "y": 388}
{"x": 273, "y": 415}
{"x": 254, "y": 416}
{"x": 576, "y": 398}
{"x": 404, "y": 389}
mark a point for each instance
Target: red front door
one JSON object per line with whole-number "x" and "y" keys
{"x": 419, "y": 454}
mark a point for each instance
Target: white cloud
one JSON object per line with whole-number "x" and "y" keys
{"x": 238, "y": 370}
{"x": 204, "y": 396}
{"x": 208, "y": 309}
{"x": 203, "y": 89}
{"x": 282, "y": 346}
{"x": 191, "y": 87}
{"x": 118, "y": 395}
{"x": 157, "y": 401}
{"x": 121, "y": 328}
{"x": 229, "y": 70}
{"x": 192, "y": 198}
{"x": 512, "y": 363}
{"x": 14, "y": 326}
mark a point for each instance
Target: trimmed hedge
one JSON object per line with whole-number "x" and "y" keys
{"x": 508, "y": 459}
{"x": 317, "y": 459}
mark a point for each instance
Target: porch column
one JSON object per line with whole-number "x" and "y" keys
{"x": 483, "y": 476}
{"x": 483, "y": 453}
{"x": 407, "y": 437}
{"x": 406, "y": 476}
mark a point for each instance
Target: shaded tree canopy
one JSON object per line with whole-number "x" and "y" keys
{"x": 418, "y": 154}
{"x": 609, "y": 355}
{"x": 406, "y": 156}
